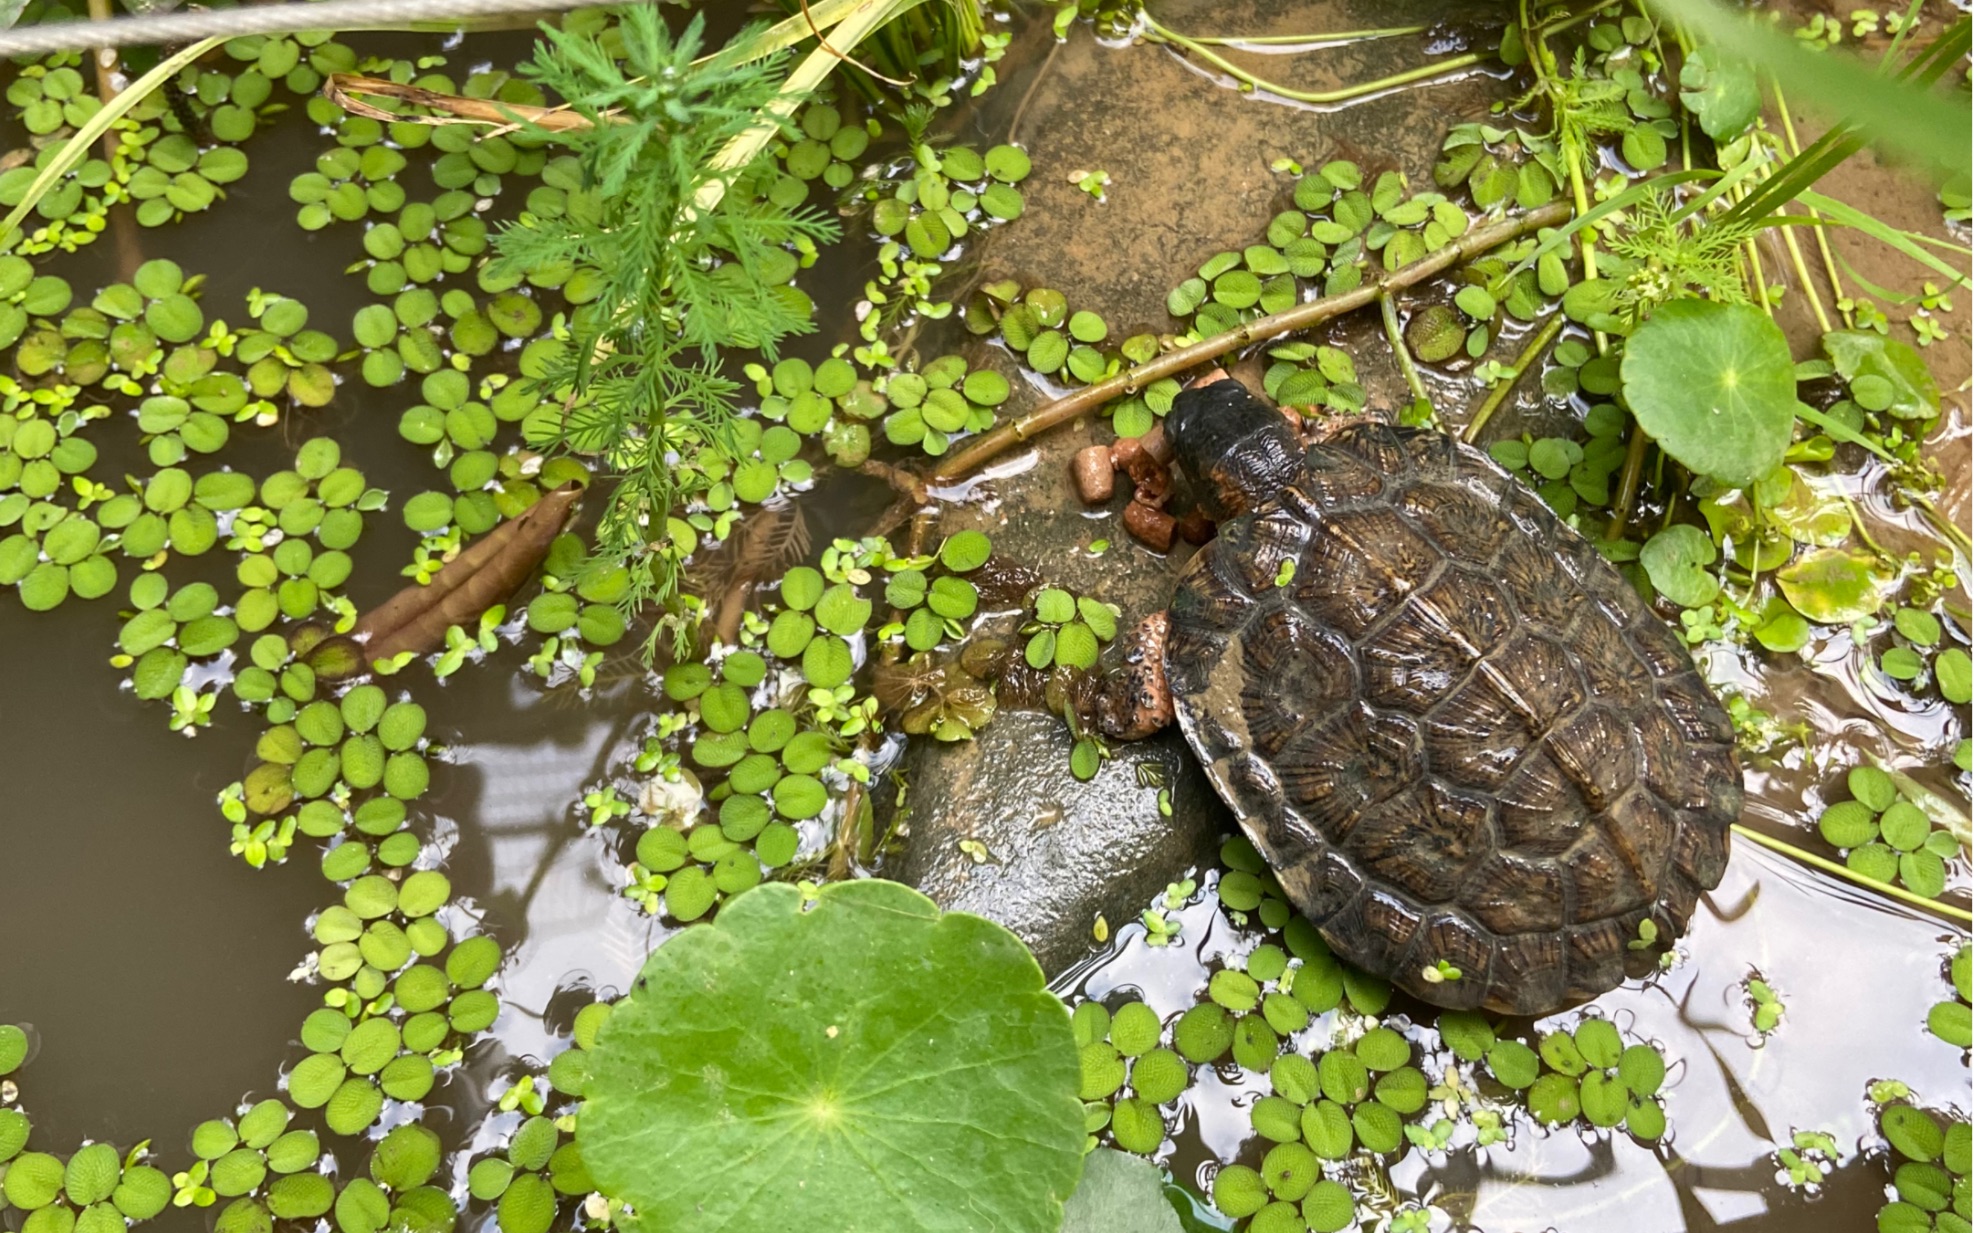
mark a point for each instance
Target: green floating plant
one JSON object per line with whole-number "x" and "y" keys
{"x": 838, "y": 1140}
{"x": 1886, "y": 836}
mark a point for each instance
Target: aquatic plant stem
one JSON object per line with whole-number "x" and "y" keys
{"x": 1822, "y": 232}
{"x": 1628, "y": 482}
{"x": 1397, "y": 336}
{"x": 1156, "y": 33}
{"x": 1293, "y": 40}
{"x": 992, "y": 445}
{"x": 1499, "y": 394}
{"x": 1789, "y": 233}
{"x": 1851, "y": 875}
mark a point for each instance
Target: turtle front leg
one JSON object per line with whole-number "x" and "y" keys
{"x": 1133, "y": 700}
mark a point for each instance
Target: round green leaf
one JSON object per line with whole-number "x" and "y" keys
{"x": 1714, "y": 384}
{"x": 914, "y": 1142}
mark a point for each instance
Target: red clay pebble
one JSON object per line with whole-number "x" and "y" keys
{"x": 1150, "y": 525}
{"x": 1124, "y": 450}
{"x": 1195, "y": 527}
{"x": 1153, "y": 478}
{"x": 1093, "y": 473}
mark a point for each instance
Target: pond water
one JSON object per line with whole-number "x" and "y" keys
{"x": 154, "y": 970}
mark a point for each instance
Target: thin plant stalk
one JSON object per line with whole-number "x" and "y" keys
{"x": 1540, "y": 60}
{"x": 1629, "y": 480}
{"x": 1154, "y": 32}
{"x": 1404, "y": 353}
{"x": 1822, "y": 236}
{"x": 107, "y": 65}
{"x": 1851, "y": 875}
{"x": 989, "y": 446}
{"x": 1297, "y": 40}
{"x": 1499, "y": 394}
{"x": 1796, "y": 261}
{"x": 858, "y": 24}
{"x": 76, "y": 148}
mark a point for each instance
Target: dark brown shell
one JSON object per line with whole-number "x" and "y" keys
{"x": 1454, "y": 729}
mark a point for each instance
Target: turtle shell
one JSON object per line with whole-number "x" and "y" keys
{"x": 1455, "y": 730}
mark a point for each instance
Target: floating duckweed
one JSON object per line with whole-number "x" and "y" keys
{"x": 300, "y": 1196}
{"x": 1135, "y": 1029}
{"x": 406, "y": 1157}
{"x": 1159, "y": 1076}
{"x": 1102, "y": 1070}
{"x": 13, "y": 1048}
{"x": 1203, "y": 1034}
{"x": 1239, "y": 1191}
{"x": 1136, "y": 1126}
{"x": 527, "y": 1205}
{"x": 1382, "y": 1049}
{"x": 293, "y": 1151}
{"x": 314, "y": 1080}
{"x": 92, "y": 1174}
{"x": 353, "y": 1106}
{"x": 1328, "y": 1207}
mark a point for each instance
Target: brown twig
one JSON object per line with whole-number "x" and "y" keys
{"x": 342, "y": 89}
{"x": 992, "y": 445}
{"x": 854, "y": 63}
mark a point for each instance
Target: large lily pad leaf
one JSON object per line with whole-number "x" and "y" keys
{"x": 1715, "y": 386}
{"x": 1120, "y": 1193}
{"x": 857, "y": 1061}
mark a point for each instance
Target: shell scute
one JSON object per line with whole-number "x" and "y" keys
{"x": 1458, "y": 733}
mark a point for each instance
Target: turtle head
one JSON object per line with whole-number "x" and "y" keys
{"x": 1236, "y": 451}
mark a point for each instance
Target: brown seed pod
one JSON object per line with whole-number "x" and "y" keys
{"x": 1151, "y": 525}
{"x": 1093, "y": 474}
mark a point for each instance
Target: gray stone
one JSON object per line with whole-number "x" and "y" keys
{"x": 1059, "y": 852}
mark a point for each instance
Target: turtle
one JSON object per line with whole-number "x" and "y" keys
{"x": 1474, "y": 757}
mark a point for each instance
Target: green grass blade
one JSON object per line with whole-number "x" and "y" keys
{"x": 1842, "y": 432}
{"x": 865, "y": 18}
{"x": 1922, "y": 126}
{"x": 1850, "y": 216}
{"x": 76, "y": 148}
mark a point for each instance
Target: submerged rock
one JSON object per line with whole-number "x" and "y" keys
{"x": 1057, "y": 852}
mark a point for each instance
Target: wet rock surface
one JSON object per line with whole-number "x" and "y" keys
{"x": 1058, "y": 852}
